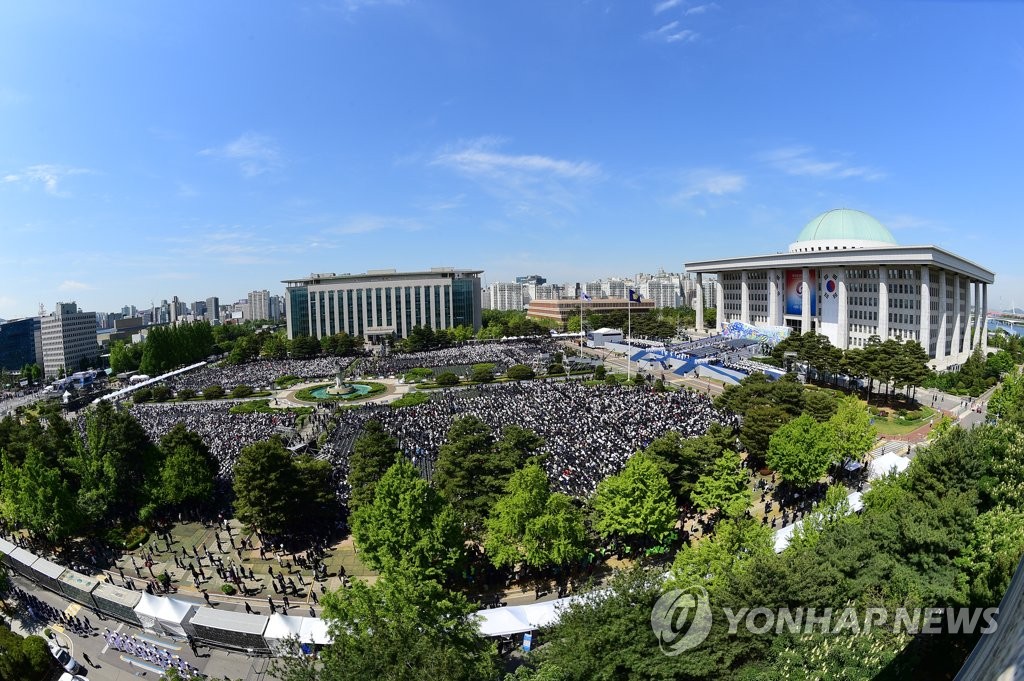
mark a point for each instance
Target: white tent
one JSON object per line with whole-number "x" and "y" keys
{"x": 784, "y": 535}
{"x": 314, "y": 630}
{"x": 163, "y": 615}
{"x": 886, "y": 464}
{"x": 281, "y": 627}
{"x": 503, "y": 621}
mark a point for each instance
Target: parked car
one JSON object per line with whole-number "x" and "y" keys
{"x": 63, "y": 657}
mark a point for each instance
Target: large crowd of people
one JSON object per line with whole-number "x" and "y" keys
{"x": 504, "y": 354}
{"x": 259, "y": 373}
{"x": 589, "y": 432}
{"x": 224, "y": 433}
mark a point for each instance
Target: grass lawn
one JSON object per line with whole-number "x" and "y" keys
{"x": 894, "y": 425}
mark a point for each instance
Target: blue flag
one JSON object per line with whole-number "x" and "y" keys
{"x": 584, "y": 295}
{"x": 634, "y": 297}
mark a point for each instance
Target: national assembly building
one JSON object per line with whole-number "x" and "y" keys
{"x": 846, "y": 277}
{"x": 382, "y": 304}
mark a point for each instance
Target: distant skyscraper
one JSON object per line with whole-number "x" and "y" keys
{"x": 213, "y": 309}
{"x": 174, "y": 310}
{"x": 531, "y": 279}
{"x": 20, "y": 343}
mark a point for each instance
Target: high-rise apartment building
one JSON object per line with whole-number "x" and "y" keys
{"x": 69, "y": 338}
{"x": 259, "y": 305}
{"x": 213, "y": 309}
{"x": 505, "y": 296}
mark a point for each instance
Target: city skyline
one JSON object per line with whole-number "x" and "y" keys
{"x": 215, "y": 150}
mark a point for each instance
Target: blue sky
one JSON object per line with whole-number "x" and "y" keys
{"x": 211, "y": 148}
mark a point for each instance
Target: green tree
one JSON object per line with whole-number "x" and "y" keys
{"x": 637, "y": 504}
{"x": 418, "y": 374}
{"x": 43, "y": 499}
{"x": 467, "y": 474}
{"x": 725, "y": 488}
{"x": 403, "y": 628}
{"x": 820, "y": 404}
{"x": 407, "y": 524}
{"x": 373, "y": 453}
{"x": 759, "y": 423}
{"x": 850, "y": 432}
{"x": 529, "y": 524}
{"x": 24, "y": 659}
{"x": 734, "y": 545}
{"x": 188, "y": 472}
{"x": 800, "y": 451}
{"x": 683, "y": 460}
{"x": 275, "y": 347}
{"x": 264, "y": 485}
{"x": 303, "y": 347}
{"x": 213, "y": 392}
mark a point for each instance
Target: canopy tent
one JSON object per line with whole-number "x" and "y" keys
{"x": 887, "y": 464}
{"x": 279, "y": 628}
{"x": 784, "y": 535}
{"x": 163, "y": 615}
{"x": 503, "y": 621}
{"x": 314, "y": 630}
{"x": 856, "y": 501}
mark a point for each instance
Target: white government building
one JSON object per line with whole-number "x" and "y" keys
{"x": 846, "y": 278}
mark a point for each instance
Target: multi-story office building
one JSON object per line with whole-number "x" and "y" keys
{"x": 69, "y": 337}
{"x": 199, "y": 308}
{"x": 846, "y": 278}
{"x": 595, "y": 290}
{"x": 382, "y": 304}
{"x": 276, "y": 308}
{"x": 531, "y": 279}
{"x": 21, "y": 343}
{"x": 543, "y": 292}
{"x": 213, "y": 309}
{"x": 259, "y": 305}
{"x": 505, "y": 296}
{"x": 561, "y": 310}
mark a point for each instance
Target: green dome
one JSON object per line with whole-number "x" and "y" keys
{"x": 845, "y": 224}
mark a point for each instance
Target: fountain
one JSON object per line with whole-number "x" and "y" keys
{"x": 340, "y": 390}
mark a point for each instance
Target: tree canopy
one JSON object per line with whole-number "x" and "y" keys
{"x": 637, "y": 504}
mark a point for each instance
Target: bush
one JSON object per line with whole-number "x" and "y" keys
{"x": 213, "y": 392}
{"x": 600, "y": 372}
{"x": 448, "y": 378}
{"x": 556, "y": 370}
{"x": 242, "y": 391}
{"x": 410, "y": 400}
{"x": 611, "y": 379}
{"x": 418, "y": 374}
{"x": 142, "y": 395}
{"x": 659, "y": 386}
{"x": 161, "y": 393}
{"x": 520, "y": 372}
{"x": 228, "y": 589}
{"x": 482, "y": 373}
{"x": 186, "y": 394}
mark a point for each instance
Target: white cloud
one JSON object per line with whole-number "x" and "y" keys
{"x": 672, "y": 33}
{"x": 529, "y": 185}
{"x": 72, "y": 285}
{"x": 478, "y": 158}
{"x": 700, "y": 9}
{"x": 802, "y": 161}
{"x": 46, "y": 174}
{"x": 666, "y": 5}
{"x": 708, "y": 182}
{"x": 256, "y": 154}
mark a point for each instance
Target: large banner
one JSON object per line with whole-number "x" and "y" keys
{"x": 772, "y": 335}
{"x": 795, "y": 292}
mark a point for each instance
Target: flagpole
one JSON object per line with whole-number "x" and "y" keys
{"x": 629, "y": 333}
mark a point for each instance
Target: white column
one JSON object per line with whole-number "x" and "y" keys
{"x": 720, "y": 303}
{"x": 926, "y": 311}
{"x": 366, "y": 310}
{"x": 883, "y": 303}
{"x": 423, "y": 305}
{"x": 744, "y": 298}
{"x": 976, "y": 336}
{"x": 843, "y": 338}
{"x": 316, "y": 311}
{"x": 984, "y": 317}
{"x": 940, "y": 343}
{"x": 805, "y": 301}
{"x": 336, "y": 327}
{"x": 444, "y": 306}
{"x": 954, "y": 349}
{"x": 699, "y": 303}
{"x": 773, "y": 299}
{"x": 400, "y": 312}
